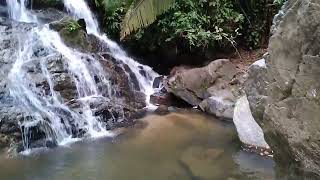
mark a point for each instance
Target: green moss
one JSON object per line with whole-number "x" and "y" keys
{"x": 73, "y": 26}
{"x": 74, "y": 38}
{"x": 72, "y": 33}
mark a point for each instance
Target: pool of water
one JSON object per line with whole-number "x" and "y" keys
{"x": 179, "y": 146}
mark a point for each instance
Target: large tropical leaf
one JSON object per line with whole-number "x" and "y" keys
{"x": 143, "y": 13}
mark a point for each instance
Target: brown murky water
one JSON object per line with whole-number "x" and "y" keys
{"x": 178, "y": 146}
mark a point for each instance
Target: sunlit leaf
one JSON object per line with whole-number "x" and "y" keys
{"x": 143, "y": 13}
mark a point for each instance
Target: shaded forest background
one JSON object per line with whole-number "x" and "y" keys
{"x": 192, "y": 31}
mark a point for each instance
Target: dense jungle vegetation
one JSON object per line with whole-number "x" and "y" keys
{"x": 193, "y": 26}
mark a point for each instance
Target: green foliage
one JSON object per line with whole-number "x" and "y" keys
{"x": 112, "y": 12}
{"x": 142, "y": 13}
{"x": 258, "y": 20}
{"x": 113, "y": 21}
{"x": 201, "y": 23}
{"x": 279, "y": 2}
{"x": 196, "y": 25}
{"x": 193, "y": 25}
{"x": 112, "y": 5}
{"x": 73, "y": 26}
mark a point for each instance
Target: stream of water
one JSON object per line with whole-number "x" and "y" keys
{"x": 179, "y": 146}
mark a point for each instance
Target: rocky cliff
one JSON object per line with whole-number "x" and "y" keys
{"x": 284, "y": 97}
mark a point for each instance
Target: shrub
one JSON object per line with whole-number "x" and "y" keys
{"x": 196, "y": 25}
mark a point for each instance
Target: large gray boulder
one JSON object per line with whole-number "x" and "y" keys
{"x": 284, "y": 97}
{"x": 212, "y": 87}
{"x": 194, "y": 85}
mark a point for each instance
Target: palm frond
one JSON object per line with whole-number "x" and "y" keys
{"x": 143, "y": 13}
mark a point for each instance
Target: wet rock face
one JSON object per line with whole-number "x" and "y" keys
{"x": 49, "y": 15}
{"x": 124, "y": 105}
{"x": 10, "y": 116}
{"x": 286, "y": 104}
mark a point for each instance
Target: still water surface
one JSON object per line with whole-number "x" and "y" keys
{"x": 179, "y": 146}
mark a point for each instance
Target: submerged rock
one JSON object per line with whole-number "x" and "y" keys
{"x": 162, "y": 110}
{"x": 286, "y": 103}
{"x": 201, "y": 161}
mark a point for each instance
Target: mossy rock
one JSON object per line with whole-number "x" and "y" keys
{"x": 74, "y": 38}
{"x": 73, "y": 33}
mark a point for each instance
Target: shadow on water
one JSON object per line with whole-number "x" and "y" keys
{"x": 178, "y": 146}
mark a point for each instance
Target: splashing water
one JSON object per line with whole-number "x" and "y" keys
{"x": 144, "y": 74}
{"x": 79, "y": 9}
{"x": 48, "y": 111}
{"x": 17, "y": 11}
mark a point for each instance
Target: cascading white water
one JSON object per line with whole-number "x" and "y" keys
{"x": 45, "y": 108}
{"x": 79, "y": 9}
{"x": 56, "y": 119}
{"x": 17, "y": 11}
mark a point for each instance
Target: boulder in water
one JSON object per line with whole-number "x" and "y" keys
{"x": 210, "y": 87}
{"x": 197, "y": 84}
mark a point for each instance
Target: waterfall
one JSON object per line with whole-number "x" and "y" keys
{"x": 48, "y": 111}
{"x": 17, "y": 11}
{"x": 79, "y": 9}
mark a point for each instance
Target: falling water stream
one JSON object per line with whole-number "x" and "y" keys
{"x": 43, "y": 108}
{"x": 79, "y": 9}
